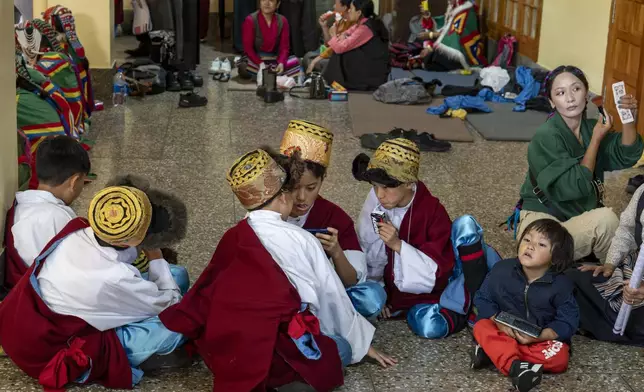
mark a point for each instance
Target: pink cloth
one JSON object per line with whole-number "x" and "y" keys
{"x": 356, "y": 36}
{"x": 271, "y": 44}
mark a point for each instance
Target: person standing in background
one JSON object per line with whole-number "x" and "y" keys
{"x": 242, "y": 8}
{"x": 305, "y": 36}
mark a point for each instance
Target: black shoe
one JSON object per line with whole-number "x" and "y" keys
{"x": 296, "y": 387}
{"x": 427, "y": 142}
{"x": 192, "y": 100}
{"x": 177, "y": 359}
{"x": 634, "y": 183}
{"x": 141, "y": 51}
{"x": 185, "y": 81}
{"x": 171, "y": 82}
{"x": 479, "y": 358}
{"x": 197, "y": 80}
{"x": 525, "y": 375}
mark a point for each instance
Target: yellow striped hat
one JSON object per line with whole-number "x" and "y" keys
{"x": 313, "y": 141}
{"x": 256, "y": 179}
{"x": 120, "y": 214}
{"x": 399, "y": 158}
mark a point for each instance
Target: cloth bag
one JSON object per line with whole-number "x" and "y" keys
{"x": 403, "y": 92}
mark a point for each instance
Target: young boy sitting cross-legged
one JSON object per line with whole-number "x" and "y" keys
{"x": 531, "y": 287}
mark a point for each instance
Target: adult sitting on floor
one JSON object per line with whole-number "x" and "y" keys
{"x": 361, "y": 56}
{"x": 601, "y": 290}
{"x": 567, "y": 159}
{"x": 265, "y": 36}
{"x": 87, "y": 315}
{"x": 317, "y": 60}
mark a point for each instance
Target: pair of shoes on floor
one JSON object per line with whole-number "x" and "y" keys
{"x": 425, "y": 141}
{"x": 192, "y": 100}
{"x": 183, "y": 80}
{"x": 524, "y": 375}
{"x": 634, "y": 183}
{"x": 220, "y": 70}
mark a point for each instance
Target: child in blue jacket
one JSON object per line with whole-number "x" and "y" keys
{"x": 533, "y": 288}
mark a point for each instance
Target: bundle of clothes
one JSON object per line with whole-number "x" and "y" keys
{"x": 54, "y": 93}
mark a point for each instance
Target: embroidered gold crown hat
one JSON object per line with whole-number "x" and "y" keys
{"x": 120, "y": 214}
{"x": 399, "y": 158}
{"x": 311, "y": 140}
{"x": 256, "y": 179}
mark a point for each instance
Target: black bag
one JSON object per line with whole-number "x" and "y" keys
{"x": 316, "y": 89}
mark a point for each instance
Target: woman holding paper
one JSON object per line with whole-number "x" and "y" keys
{"x": 567, "y": 159}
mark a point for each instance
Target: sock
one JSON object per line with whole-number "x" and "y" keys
{"x": 474, "y": 265}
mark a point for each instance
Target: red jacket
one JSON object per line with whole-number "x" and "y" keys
{"x": 325, "y": 214}
{"x": 15, "y": 266}
{"x": 53, "y": 348}
{"x": 238, "y": 315}
{"x": 431, "y": 228}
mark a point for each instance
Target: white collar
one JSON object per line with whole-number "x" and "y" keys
{"x": 264, "y": 215}
{"x": 34, "y": 196}
{"x": 300, "y": 220}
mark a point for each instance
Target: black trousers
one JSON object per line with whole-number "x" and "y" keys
{"x": 242, "y": 8}
{"x": 305, "y": 34}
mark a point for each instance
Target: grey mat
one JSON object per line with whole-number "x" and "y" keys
{"x": 371, "y": 116}
{"x": 445, "y": 77}
{"x": 504, "y": 124}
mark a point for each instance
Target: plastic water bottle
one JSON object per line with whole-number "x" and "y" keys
{"x": 302, "y": 77}
{"x": 119, "y": 88}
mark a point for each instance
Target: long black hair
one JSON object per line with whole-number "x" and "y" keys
{"x": 368, "y": 10}
{"x": 550, "y": 79}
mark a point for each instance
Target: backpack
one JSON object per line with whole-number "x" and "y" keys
{"x": 403, "y": 91}
{"x": 505, "y": 51}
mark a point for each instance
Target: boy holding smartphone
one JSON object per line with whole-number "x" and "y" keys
{"x": 405, "y": 233}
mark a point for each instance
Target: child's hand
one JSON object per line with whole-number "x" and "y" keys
{"x": 389, "y": 235}
{"x": 383, "y": 359}
{"x": 153, "y": 254}
{"x": 524, "y": 339}
{"x": 385, "y": 313}
{"x": 505, "y": 329}
{"x": 330, "y": 242}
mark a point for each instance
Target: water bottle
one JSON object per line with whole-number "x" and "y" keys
{"x": 302, "y": 76}
{"x": 119, "y": 88}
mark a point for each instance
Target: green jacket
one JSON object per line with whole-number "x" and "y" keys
{"x": 554, "y": 156}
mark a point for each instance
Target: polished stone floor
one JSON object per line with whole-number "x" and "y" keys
{"x": 188, "y": 152}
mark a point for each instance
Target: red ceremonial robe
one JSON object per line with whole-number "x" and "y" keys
{"x": 58, "y": 349}
{"x": 238, "y": 315}
{"x": 431, "y": 228}
{"x": 325, "y": 214}
{"x": 15, "y": 266}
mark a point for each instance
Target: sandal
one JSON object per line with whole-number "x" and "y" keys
{"x": 192, "y": 100}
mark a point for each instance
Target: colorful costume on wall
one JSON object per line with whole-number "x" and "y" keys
{"x": 41, "y": 46}
{"x": 460, "y": 38}
{"x": 314, "y": 144}
{"x": 63, "y": 21}
{"x": 271, "y": 330}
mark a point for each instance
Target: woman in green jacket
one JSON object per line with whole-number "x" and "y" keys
{"x": 567, "y": 159}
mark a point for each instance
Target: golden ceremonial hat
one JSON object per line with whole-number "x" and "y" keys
{"x": 399, "y": 158}
{"x": 120, "y": 214}
{"x": 311, "y": 140}
{"x": 256, "y": 179}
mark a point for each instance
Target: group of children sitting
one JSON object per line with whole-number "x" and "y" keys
{"x": 292, "y": 293}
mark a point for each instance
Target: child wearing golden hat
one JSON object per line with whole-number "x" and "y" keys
{"x": 87, "y": 314}
{"x": 410, "y": 243}
{"x": 333, "y": 227}
{"x": 269, "y": 309}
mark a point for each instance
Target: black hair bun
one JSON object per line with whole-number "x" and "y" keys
{"x": 359, "y": 167}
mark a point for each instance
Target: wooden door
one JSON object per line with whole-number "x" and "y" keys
{"x": 625, "y": 55}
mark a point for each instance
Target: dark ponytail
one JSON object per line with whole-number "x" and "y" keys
{"x": 368, "y": 11}
{"x": 366, "y": 6}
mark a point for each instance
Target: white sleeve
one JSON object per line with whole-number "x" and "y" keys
{"x": 134, "y": 299}
{"x": 624, "y": 240}
{"x": 414, "y": 271}
{"x": 370, "y": 242}
{"x": 358, "y": 261}
{"x": 335, "y": 311}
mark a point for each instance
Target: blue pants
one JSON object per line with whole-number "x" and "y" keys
{"x": 344, "y": 349}
{"x": 368, "y": 298}
{"x": 431, "y": 321}
{"x": 148, "y": 337}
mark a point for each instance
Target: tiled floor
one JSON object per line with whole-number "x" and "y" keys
{"x": 189, "y": 150}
